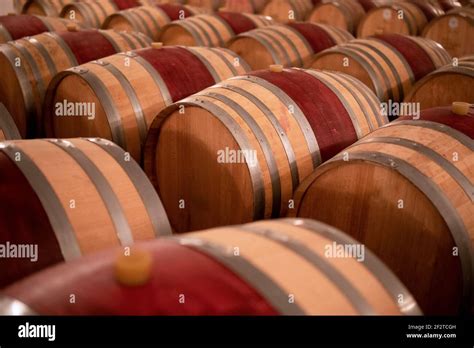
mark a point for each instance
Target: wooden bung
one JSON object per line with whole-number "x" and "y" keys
{"x": 195, "y": 274}
{"x": 22, "y": 89}
{"x": 287, "y": 134}
{"x": 406, "y": 192}
{"x": 128, "y": 96}
{"x": 98, "y": 199}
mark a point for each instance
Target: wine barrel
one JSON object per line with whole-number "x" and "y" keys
{"x": 145, "y": 19}
{"x": 376, "y": 63}
{"x": 87, "y": 13}
{"x": 18, "y": 5}
{"x": 260, "y": 134}
{"x": 42, "y": 56}
{"x": 50, "y": 8}
{"x": 448, "y": 5}
{"x": 370, "y": 4}
{"x": 454, "y": 31}
{"x": 211, "y": 281}
{"x": 90, "y": 13}
{"x": 14, "y": 27}
{"x": 210, "y": 30}
{"x": 406, "y": 192}
{"x": 71, "y": 197}
{"x": 178, "y": 11}
{"x": 293, "y": 44}
{"x": 398, "y": 17}
{"x": 209, "y": 4}
{"x": 339, "y": 13}
{"x": 246, "y": 6}
{"x": 8, "y": 130}
{"x": 284, "y": 11}
{"x": 130, "y": 89}
{"x": 423, "y": 55}
{"x": 431, "y": 9}
{"x": 444, "y": 86}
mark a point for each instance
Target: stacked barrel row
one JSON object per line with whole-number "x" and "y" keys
{"x": 245, "y": 120}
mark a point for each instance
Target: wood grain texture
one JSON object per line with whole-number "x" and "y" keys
{"x": 398, "y": 17}
{"x": 284, "y": 11}
{"x": 453, "y": 30}
{"x": 364, "y": 197}
{"x": 341, "y": 14}
{"x": 208, "y": 284}
{"x": 444, "y": 86}
{"x": 377, "y": 64}
{"x": 83, "y": 202}
{"x": 135, "y": 95}
{"x": 277, "y": 117}
{"x": 40, "y": 58}
{"x": 291, "y": 45}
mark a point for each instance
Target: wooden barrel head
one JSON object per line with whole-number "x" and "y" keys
{"x": 453, "y": 31}
{"x": 444, "y": 86}
{"x": 272, "y": 133}
{"x": 391, "y": 181}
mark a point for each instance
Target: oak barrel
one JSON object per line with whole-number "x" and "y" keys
{"x": 211, "y": 29}
{"x": 376, "y": 63}
{"x": 444, "y": 86}
{"x": 339, "y": 13}
{"x": 293, "y": 44}
{"x": 18, "y": 5}
{"x": 28, "y": 65}
{"x": 406, "y": 192}
{"x": 279, "y": 267}
{"x": 145, "y": 19}
{"x": 210, "y": 4}
{"x": 130, "y": 89}
{"x": 260, "y": 134}
{"x": 397, "y": 17}
{"x": 72, "y": 197}
{"x": 14, "y": 27}
{"x": 247, "y": 6}
{"x": 50, "y": 8}
{"x": 8, "y": 130}
{"x": 284, "y": 11}
{"x": 454, "y": 31}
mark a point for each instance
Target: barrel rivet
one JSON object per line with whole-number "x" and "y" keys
{"x": 276, "y": 68}
{"x": 133, "y": 269}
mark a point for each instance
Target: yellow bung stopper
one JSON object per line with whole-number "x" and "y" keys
{"x": 71, "y": 27}
{"x": 276, "y": 68}
{"x": 133, "y": 269}
{"x": 157, "y": 45}
{"x": 460, "y": 108}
